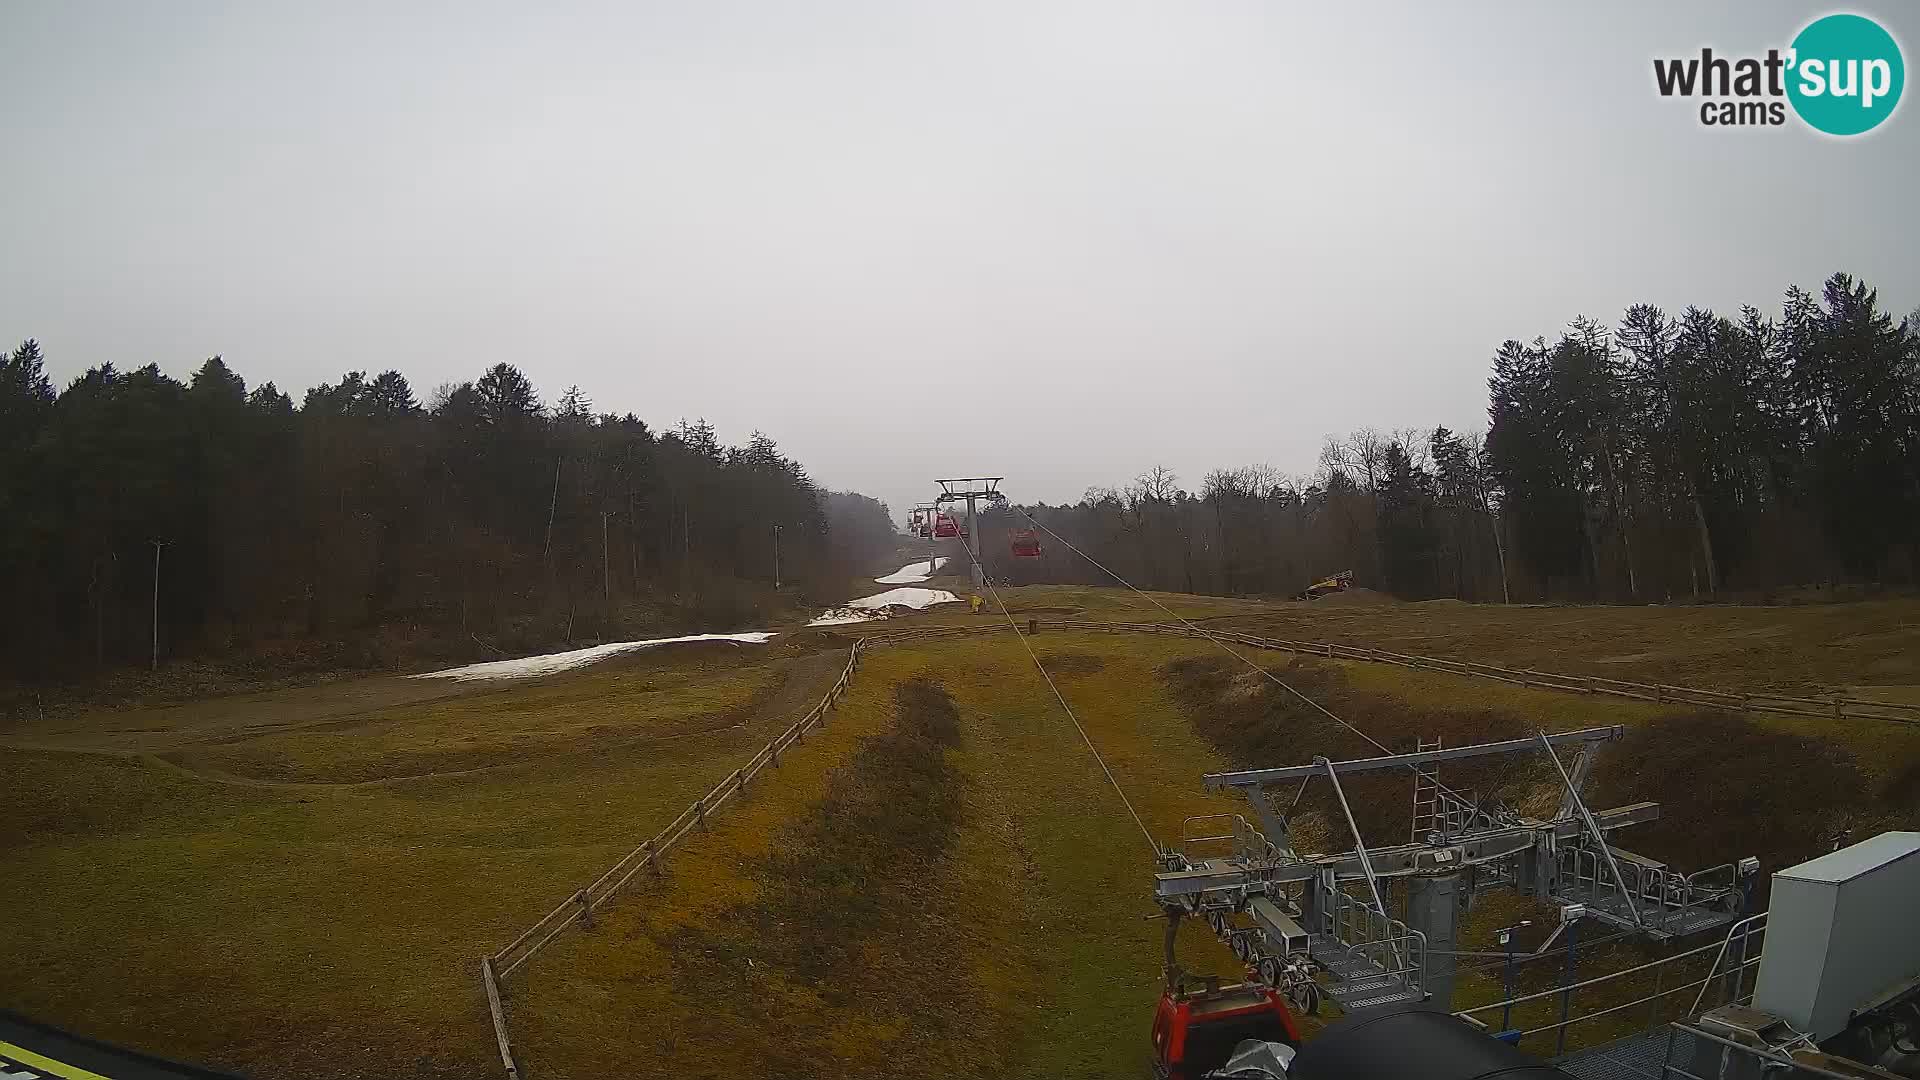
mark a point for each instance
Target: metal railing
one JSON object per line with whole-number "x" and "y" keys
{"x": 1388, "y": 944}
{"x": 1241, "y": 839}
{"x": 1207, "y": 823}
{"x": 1739, "y": 943}
{"x": 1732, "y": 973}
{"x": 1659, "y": 895}
{"x": 1764, "y": 1061}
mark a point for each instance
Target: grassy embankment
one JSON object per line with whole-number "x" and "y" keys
{"x": 314, "y": 905}
{"x": 300, "y": 900}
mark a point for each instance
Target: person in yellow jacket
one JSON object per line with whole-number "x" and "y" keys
{"x": 973, "y": 603}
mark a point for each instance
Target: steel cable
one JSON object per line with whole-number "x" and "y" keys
{"x": 1068, "y": 709}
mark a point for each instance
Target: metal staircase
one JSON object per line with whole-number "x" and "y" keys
{"x": 1369, "y": 958}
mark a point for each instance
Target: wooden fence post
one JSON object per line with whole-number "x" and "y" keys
{"x": 499, "y": 1017}
{"x": 700, "y": 811}
{"x": 586, "y": 910}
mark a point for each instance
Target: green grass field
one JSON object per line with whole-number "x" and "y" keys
{"x": 300, "y": 883}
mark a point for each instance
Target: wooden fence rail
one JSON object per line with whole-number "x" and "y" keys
{"x": 1834, "y": 707}
{"x": 578, "y": 908}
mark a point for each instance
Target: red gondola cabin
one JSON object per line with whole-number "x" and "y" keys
{"x": 1195, "y": 1033}
{"x": 1026, "y": 543}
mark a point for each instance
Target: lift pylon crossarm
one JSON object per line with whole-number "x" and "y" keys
{"x": 1253, "y": 777}
{"x": 978, "y": 487}
{"x": 1398, "y": 860}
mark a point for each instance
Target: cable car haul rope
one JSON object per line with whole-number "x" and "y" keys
{"x": 1026, "y": 541}
{"x": 1068, "y": 709}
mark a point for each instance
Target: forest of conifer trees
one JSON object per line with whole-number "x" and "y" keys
{"x": 1670, "y": 457}
{"x": 1667, "y": 457}
{"x": 385, "y": 528}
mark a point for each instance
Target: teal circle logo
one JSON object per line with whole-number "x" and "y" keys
{"x": 1846, "y": 74}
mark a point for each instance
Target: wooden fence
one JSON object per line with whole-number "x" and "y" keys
{"x": 578, "y": 908}
{"x": 1831, "y": 706}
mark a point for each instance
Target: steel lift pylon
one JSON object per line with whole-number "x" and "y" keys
{"x": 1294, "y": 918}
{"x": 972, "y": 490}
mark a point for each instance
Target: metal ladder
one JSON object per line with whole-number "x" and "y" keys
{"x": 1426, "y": 794}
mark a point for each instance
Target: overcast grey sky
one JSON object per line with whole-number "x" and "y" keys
{"x": 1059, "y": 241}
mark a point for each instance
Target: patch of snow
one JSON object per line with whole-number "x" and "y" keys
{"x": 912, "y": 572}
{"x": 918, "y": 599}
{"x": 529, "y": 666}
{"x": 842, "y": 616}
{"x": 868, "y": 608}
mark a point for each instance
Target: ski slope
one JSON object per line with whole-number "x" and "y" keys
{"x": 913, "y": 572}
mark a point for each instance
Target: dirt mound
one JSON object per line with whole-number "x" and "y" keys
{"x": 1255, "y": 722}
{"x": 1728, "y": 786}
{"x": 1355, "y": 597}
{"x": 822, "y": 932}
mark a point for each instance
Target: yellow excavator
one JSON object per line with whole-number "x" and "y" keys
{"x": 1339, "y": 582}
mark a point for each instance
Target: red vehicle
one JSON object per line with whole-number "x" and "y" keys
{"x": 1026, "y": 544}
{"x": 944, "y": 526}
{"x": 1195, "y": 1032}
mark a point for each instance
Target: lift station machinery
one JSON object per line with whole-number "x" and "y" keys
{"x": 1307, "y": 924}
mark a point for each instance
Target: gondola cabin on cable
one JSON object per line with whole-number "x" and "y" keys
{"x": 1196, "y": 1032}
{"x": 944, "y": 527}
{"x": 1026, "y": 544}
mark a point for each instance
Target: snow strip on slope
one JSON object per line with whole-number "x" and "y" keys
{"x": 841, "y": 616}
{"x": 875, "y": 606}
{"x": 918, "y": 599}
{"x": 912, "y": 572}
{"x": 528, "y": 666}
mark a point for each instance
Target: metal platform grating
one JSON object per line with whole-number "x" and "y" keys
{"x": 1357, "y": 983}
{"x": 1608, "y": 905}
{"x": 1643, "y": 1056}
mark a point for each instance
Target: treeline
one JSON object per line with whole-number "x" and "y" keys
{"x": 479, "y": 520}
{"x": 1669, "y": 457}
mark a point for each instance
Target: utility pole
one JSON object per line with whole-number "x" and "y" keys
{"x": 776, "y": 558}
{"x": 157, "y": 544}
